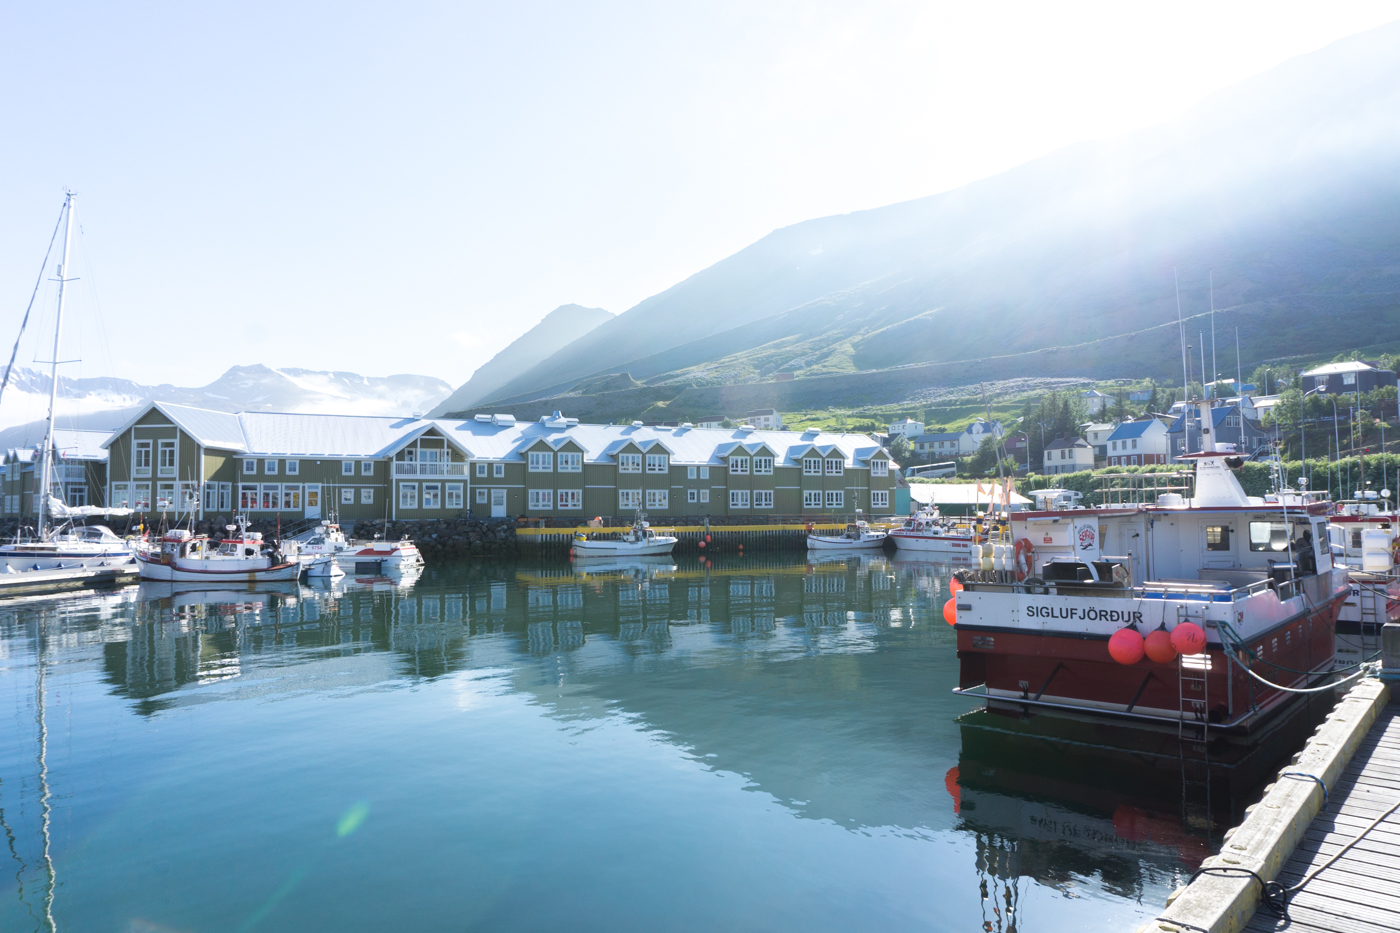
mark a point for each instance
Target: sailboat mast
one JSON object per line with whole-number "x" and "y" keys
{"x": 44, "y": 480}
{"x": 1214, "y": 360}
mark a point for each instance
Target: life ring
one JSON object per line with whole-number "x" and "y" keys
{"x": 1025, "y": 558}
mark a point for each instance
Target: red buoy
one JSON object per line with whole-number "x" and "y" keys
{"x": 955, "y": 586}
{"x": 1158, "y": 646}
{"x": 707, "y": 537}
{"x": 702, "y": 543}
{"x": 1189, "y": 638}
{"x": 1125, "y": 646}
{"x": 950, "y": 611}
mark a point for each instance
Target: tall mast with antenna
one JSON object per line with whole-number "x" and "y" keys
{"x": 1239, "y": 369}
{"x": 47, "y": 462}
{"x": 1214, "y": 360}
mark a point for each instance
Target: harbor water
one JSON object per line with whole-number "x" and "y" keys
{"x": 758, "y": 744}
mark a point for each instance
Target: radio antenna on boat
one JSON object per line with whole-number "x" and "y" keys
{"x": 63, "y": 279}
{"x": 1214, "y": 360}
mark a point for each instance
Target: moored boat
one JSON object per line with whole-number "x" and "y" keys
{"x": 858, "y": 535}
{"x": 1182, "y": 610}
{"x": 183, "y": 557}
{"x": 927, "y": 530}
{"x": 639, "y": 540}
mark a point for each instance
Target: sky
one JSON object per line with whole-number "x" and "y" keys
{"x": 406, "y": 188}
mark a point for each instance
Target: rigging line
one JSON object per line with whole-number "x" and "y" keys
{"x": 15, "y": 352}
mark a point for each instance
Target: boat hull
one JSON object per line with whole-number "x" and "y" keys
{"x": 937, "y": 544}
{"x": 175, "y": 573}
{"x": 835, "y": 543}
{"x": 614, "y": 549}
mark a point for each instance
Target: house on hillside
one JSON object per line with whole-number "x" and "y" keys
{"x": 1096, "y": 433}
{"x": 710, "y": 421}
{"x": 189, "y": 461}
{"x": 1229, "y": 427}
{"x": 1347, "y": 377}
{"x": 962, "y": 443}
{"x": 79, "y": 473}
{"x": 1095, "y": 402}
{"x": 1140, "y": 397}
{"x": 1137, "y": 443}
{"x": 908, "y": 427}
{"x": 1068, "y": 455}
{"x": 764, "y": 419}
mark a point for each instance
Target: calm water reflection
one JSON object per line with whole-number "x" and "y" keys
{"x": 753, "y": 745}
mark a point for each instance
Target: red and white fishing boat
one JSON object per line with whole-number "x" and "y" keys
{"x": 389, "y": 555}
{"x": 1183, "y": 610}
{"x": 927, "y": 530}
{"x": 183, "y": 557}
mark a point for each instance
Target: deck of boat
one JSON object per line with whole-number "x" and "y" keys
{"x": 1360, "y": 892}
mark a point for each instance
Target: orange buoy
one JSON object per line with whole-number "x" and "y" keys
{"x": 1189, "y": 638}
{"x": 955, "y": 586}
{"x": 707, "y": 537}
{"x": 1125, "y": 646}
{"x": 1158, "y": 646}
{"x": 950, "y": 611}
{"x": 702, "y": 543}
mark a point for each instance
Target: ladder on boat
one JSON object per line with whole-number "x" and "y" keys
{"x": 1193, "y": 687}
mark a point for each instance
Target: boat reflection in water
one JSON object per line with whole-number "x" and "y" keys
{"x": 811, "y": 697}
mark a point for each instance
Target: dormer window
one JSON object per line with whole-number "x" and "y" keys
{"x": 739, "y": 466}
{"x": 835, "y": 467}
{"x": 541, "y": 461}
{"x": 879, "y": 468}
{"x": 763, "y": 466}
{"x": 571, "y": 463}
{"x": 629, "y": 463}
{"x": 811, "y": 466}
{"x": 656, "y": 463}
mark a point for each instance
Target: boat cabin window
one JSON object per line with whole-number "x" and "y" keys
{"x": 1270, "y": 536}
{"x": 1356, "y": 539}
{"x": 1217, "y": 537}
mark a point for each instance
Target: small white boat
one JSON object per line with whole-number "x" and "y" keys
{"x": 326, "y": 540}
{"x": 189, "y": 558}
{"x": 858, "y": 534}
{"x": 638, "y": 541}
{"x": 927, "y": 530}
{"x": 388, "y": 555}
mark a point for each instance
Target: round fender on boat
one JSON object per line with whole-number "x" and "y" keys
{"x": 1158, "y": 646}
{"x": 955, "y": 586}
{"x": 950, "y": 611}
{"x": 1189, "y": 638}
{"x": 1125, "y": 646}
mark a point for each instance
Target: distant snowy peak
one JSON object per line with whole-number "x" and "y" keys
{"x": 97, "y": 400}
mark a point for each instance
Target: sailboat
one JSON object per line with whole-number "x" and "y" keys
{"x": 62, "y": 556}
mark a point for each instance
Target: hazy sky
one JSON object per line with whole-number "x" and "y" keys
{"x": 406, "y": 187}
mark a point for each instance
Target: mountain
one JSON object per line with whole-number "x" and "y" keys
{"x": 103, "y": 403}
{"x": 560, "y": 327}
{"x": 1284, "y": 189}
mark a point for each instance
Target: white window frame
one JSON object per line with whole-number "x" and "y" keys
{"x": 270, "y": 497}
{"x": 481, "y": 470}
{"x": 570, "y": 499}
{"x": 247, "y": 497}
{"x": 690, "y": 472}
{"x": 704, "y": 472}
{"x": 269, "y": 467}
{"x": 250, "y": 467}
{"x": 811, "y": 466}
{"x": 347, "y": 468}
{"x": 704, "y": 495}
{"x": 811, "y": 498}
{"x": 835, "y": 499}
{"x": 452, "y": 496}
{"x": 164, "y": 446}
{"x": 432, "y": 496}
{"x": 762, "y": 466}
{"x": 738, "y": 498}
{"x": 366, "y": 467}
{"x": 658, "y": 499}
{"x": 293, "y": 467}
{"x": 763, "y": 498}
{"x": 137, "y": 469}
{"x": 291, "y": 497}
{"x": 347, "y": 495}
{"x": 879, "y": 498}
{"x": 629, "y": 499}
{"x": 481, "y": 496}
{"x": 541, "y": 461}
{"x": 367, "y": 495}
{"x": 739, "y": 466}
{"x": 879, "y": 468}
{"x": 408, "y": 495}
{"x": 570, "y": 462}
{"x": 692, "y": 495}
{"x": 835, "y": 467}
{"x": 657, "y": 463}
{"x": 498, "y": 470}
{"x": 121, "y": 496}
{"x": 629, "y": 463}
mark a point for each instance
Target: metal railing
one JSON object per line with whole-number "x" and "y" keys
{"x": 429, "y": 468}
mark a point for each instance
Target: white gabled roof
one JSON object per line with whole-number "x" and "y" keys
{"x": 1347, "y": 366}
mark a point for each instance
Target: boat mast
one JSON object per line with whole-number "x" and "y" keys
{"x": 44, "y": 480}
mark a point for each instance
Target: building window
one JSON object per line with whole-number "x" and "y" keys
{"x": 141, "y": 459}
{"x": 367, "y": 496}
{"x": 835, "y": 467}
{"x": 1217, "y": 537}
{"x": 270, "y": 467}
{"x": 763, "y": 466}
{"x": 347, "y": 496}
{"x": 879, "y": 468}
{"x": 571, "y": 498}
{"x": 658, "y": 498}
{"x": 541, "y": 498}
{"x": 812, "y": 498}
{"x": 705, "y": 472}
{"x": 692, "y": 495}
{"x": 811, "y": 466}
{"x": 121, "y": 495}
{"x": 291, "y": 498}
{"x": 454, "y": 495}
{"x": 690, "y": 472}
{"x": 498, "y": 470}
{"x": 271, "y": 497}
{"x": 1348, "y": 379}
{"x": 366, "y": 467}
{"x": 763, "y": 499}
{"x": 1134, "y": 443}
{"x": 408, "y": 495}
{"x": 165, "y": 497}
{"x": 879, "y": 499}
{"x": 293, "y": 467}
{"x": 225, "y": 497}
{"x": 704, "y": 495}
{"x": 629, "y": 499}
{"x": 75, "y": 495}
{"x": 481, "y": 470}
{"x": 250, "y": 467}
{"x": 165, "y": 462}
{"x": 656, "y": 463}
{"x": 738, "y": 498}
{"x": 481, "y": 496}
{"x": 347, "y": 468}
{"x": 739, "y": 466}
{"x": 629, "y": 463}
{"x": 541, "y": 461}
{"x": 834, "y": 499}
{"x": 247, "y": 498}
{"x": 432, "y": 495}
{"x": 571, "y": 463}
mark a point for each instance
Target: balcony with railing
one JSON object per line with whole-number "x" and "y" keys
{"x": 429, "y": 468}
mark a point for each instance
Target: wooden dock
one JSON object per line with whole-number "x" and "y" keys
{"x": 1360, "y": 892}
